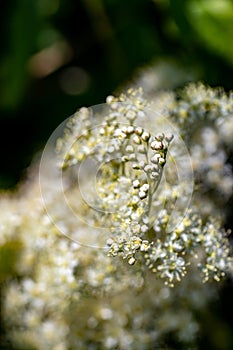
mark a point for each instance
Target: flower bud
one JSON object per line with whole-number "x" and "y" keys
{"x": 136, "y": 183}
{"x": 142, "y": 194}
{"x": 139, "y": 131}
{"x": 145, "y": 136}
{"x": 136, "y": 139}
{"x": 156, "y": 145}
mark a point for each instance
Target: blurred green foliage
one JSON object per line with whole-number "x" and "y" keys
{"x": 212, "y": 22}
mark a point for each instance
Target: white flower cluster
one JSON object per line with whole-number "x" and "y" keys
{"x": 205, "y": 119}
{"x": 61, "y": 295}
{"x": 128, "y": 187}
{"x": 65, "y": 296}
{"x": 133, "y": 162}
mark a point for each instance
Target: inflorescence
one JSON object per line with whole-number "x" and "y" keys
{"x": 115, "y": 298}
{"x": 132, "y": 163}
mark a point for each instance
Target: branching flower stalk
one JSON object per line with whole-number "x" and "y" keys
{"x": 132, "y": 162}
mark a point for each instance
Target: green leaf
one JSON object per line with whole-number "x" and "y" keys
{"x": 212, "y": 22}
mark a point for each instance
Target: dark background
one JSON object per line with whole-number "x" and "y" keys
{"x": 103, "y": 42}
{"x": 59, "y": 55}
